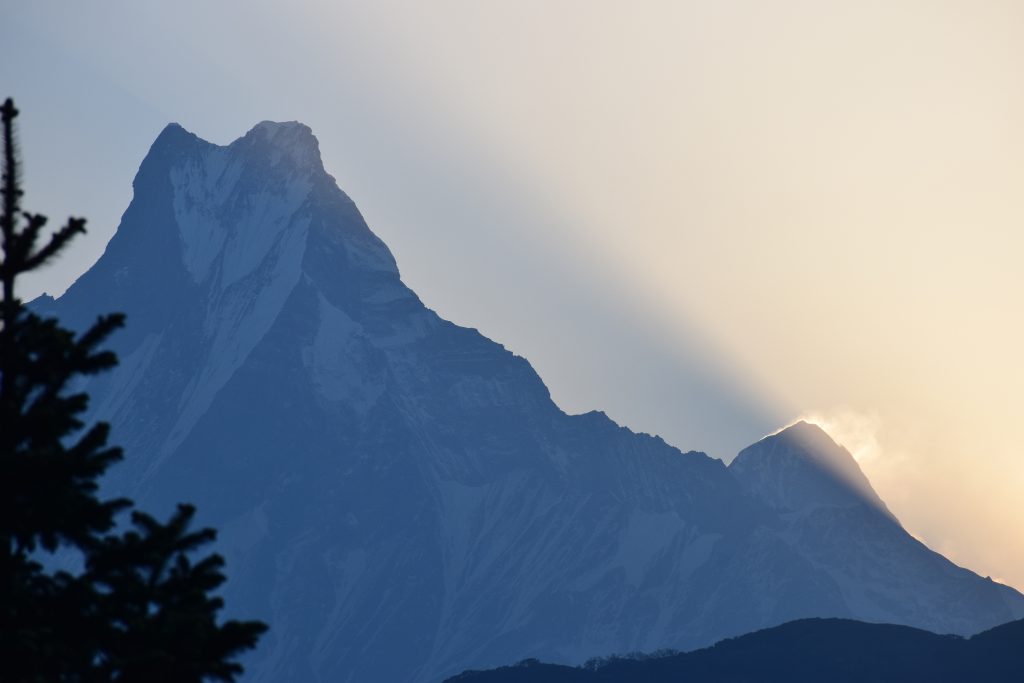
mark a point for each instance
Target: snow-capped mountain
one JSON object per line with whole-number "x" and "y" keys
{"x": 398, "y": 496}
{"x": 833, "y": 517}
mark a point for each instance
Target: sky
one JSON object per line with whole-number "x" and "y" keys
{"x": 708, "y": 219}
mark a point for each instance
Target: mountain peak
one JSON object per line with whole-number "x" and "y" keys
{"x": 174, "y": 131}
{"x": 288, "y": 139}
{"x": 217, "y": 216}
{"x": 816, "y": 440}
{"x": 274, "y": 128}
{"x": 801, "y": 467}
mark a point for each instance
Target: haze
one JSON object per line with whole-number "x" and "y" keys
{"x": 707, "y": 219}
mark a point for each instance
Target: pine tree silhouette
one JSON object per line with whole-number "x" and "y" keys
{"x": 139, "y": 608}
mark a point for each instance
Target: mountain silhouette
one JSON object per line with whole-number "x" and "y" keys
{"x": 805, "y": 651}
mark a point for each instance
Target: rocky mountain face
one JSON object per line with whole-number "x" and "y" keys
{"x": 399, "y": 497}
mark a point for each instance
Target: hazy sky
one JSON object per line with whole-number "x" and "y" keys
{"x": 705, "y": 218}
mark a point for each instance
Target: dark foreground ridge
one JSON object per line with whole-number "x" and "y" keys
{"x": 811, "y": 650}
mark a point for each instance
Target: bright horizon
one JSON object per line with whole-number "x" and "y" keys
{"x": 706, "y": 219}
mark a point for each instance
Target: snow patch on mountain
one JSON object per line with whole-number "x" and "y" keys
{"x": 200, "y": 190}
{"x": 338, "y": 360}
{"x": 216, "y": 220}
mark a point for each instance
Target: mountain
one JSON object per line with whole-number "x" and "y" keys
{"x": 832, "y": 517}
{"x": 398, "y": 496}
{"x": 809, "y": 650}
{"x": 801, "y": 469}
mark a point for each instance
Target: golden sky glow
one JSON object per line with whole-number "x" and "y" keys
{"x": 832, "y": 195}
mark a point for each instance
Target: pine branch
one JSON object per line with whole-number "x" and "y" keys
{"x": 58, "y": 240}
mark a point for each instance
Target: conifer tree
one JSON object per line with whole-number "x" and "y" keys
{"x": 139, "y": 607}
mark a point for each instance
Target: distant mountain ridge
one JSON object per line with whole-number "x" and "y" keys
{"x": 805, "y": 651}
{"x": 398, "y": 496}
